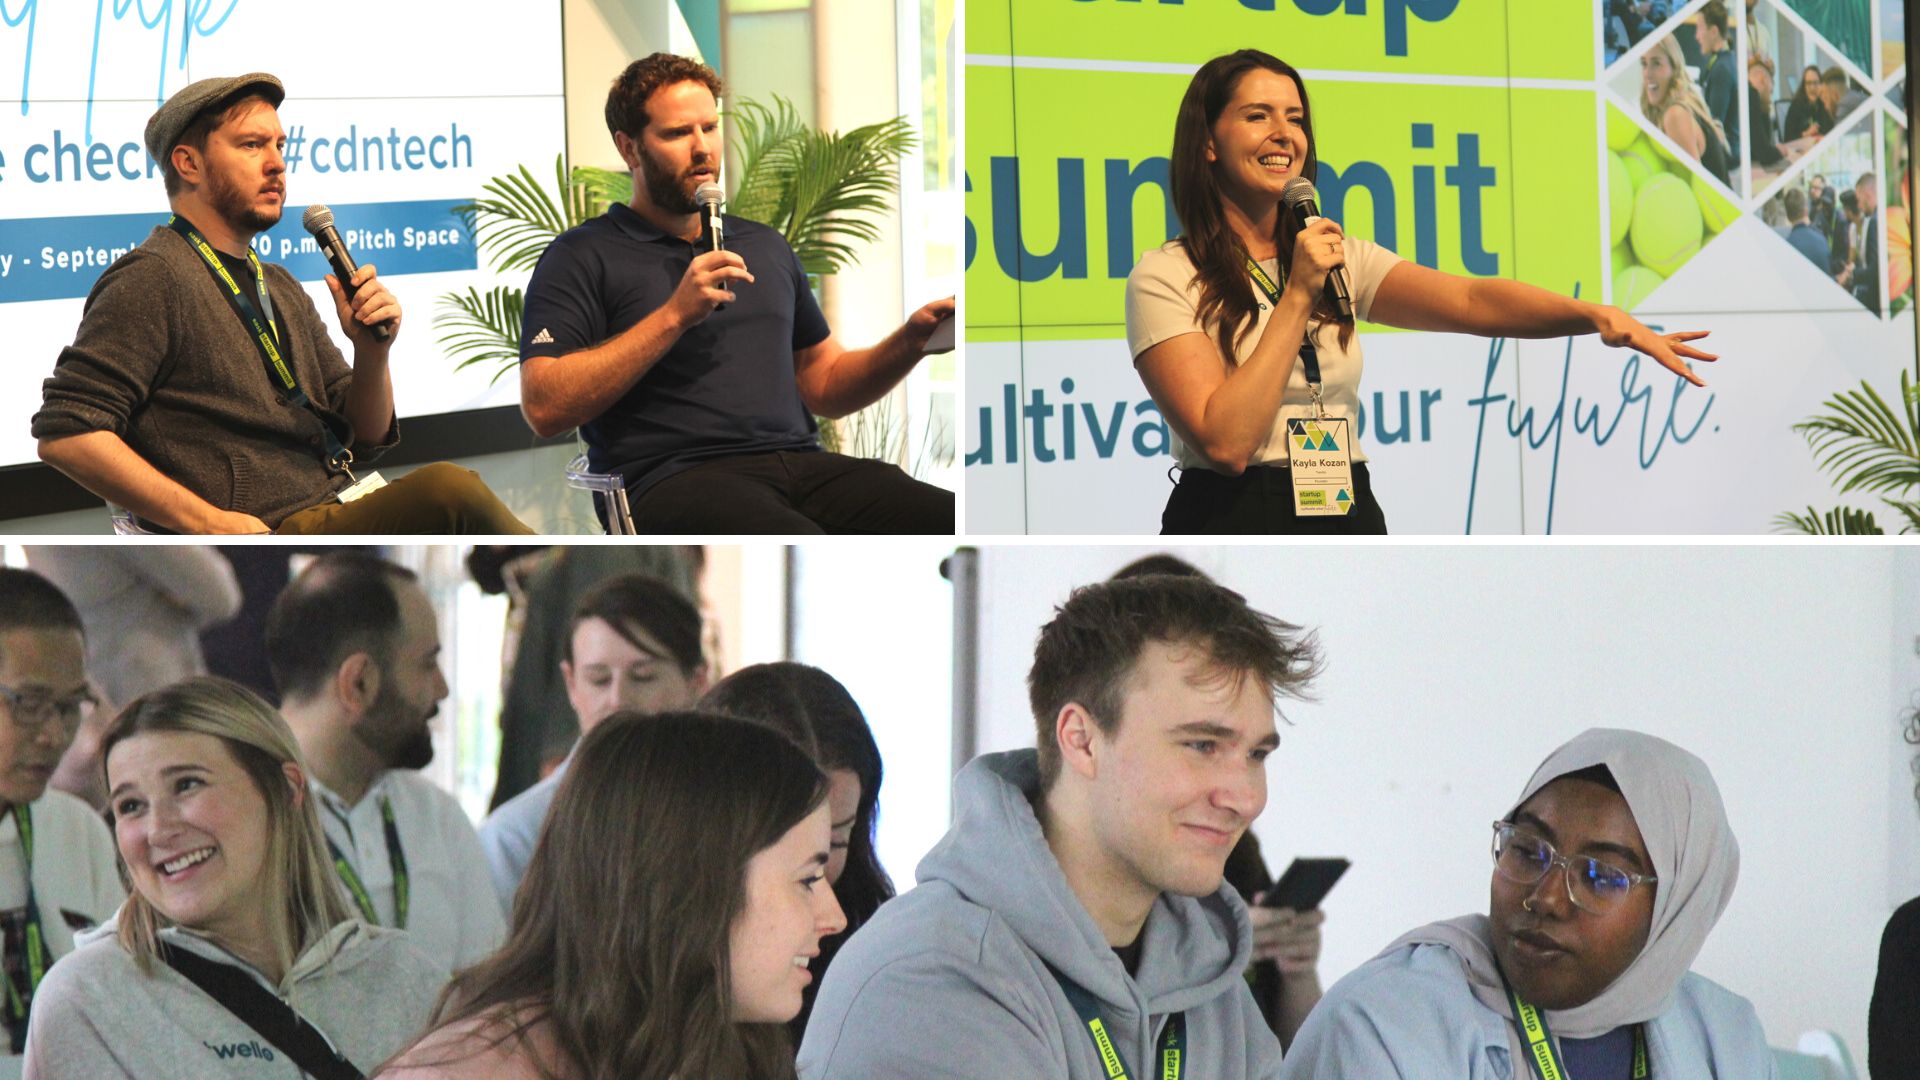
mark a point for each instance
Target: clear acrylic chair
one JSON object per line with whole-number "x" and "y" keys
{"x": 609, "y": 495}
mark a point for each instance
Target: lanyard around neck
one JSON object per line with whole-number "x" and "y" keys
{"x": 264, "y": 331}
{"x": 1173, "y": 1037}
{"x": 396, "y": 858}
{"x": 1537, "y": 1039}
{"x": 1309, "y": 358}
{"x": 18, "y": 1005}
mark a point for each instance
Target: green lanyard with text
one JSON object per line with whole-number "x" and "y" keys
{"x": 402, "y": 886}
{"x": 1531, "y": 1023}
{"x": 36, "y": 942}
{"x": 1309, "y": 358}
{"x": 265, "y": 332}
{"x": 1173, "y": 1037}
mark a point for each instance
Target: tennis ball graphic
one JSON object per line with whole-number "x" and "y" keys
{"x": 1715, "y": 211}
{"x": 1621, "y": 131}
{"x": 1633, "y": 285}
{"x": 1666, "y": 229}
{"x": 1619, "y": 197}
{"x": 1640, "y": 160}
{"x": 1622, "y": 258}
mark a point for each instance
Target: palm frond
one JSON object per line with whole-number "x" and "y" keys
{"x": 482, "y": 327}
{"x": 1908, "y": 510}
{"x": 517, "y": 218}
{"x": 1864, "y": 442}
{"x": 604, "y": 187}
{"x": 841, "y": 187}
{"x": 762, "y": 139}
{"x": 1839, "y": 521}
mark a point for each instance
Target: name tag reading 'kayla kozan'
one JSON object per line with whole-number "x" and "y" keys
{"x": 1322, "y": 472}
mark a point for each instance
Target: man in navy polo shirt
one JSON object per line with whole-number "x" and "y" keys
{"x": 696, "y": 373}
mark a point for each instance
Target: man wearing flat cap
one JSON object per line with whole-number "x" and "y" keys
{"x": 202, "y": 392}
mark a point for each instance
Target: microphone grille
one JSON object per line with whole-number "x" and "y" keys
{"x": 1299, "y": 190}
{"x": 316, "y": 218}
{"x": 708, "y": 194}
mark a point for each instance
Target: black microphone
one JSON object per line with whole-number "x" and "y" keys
{"x": 1300, "y": 195}
{"x": 318, "y": 220}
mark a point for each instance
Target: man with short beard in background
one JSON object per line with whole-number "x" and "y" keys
{"x": 696, "y": 374}
{"x": 202, "y": 392}
{"x": 355, "y": 646}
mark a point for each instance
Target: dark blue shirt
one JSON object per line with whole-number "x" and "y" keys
{"x": 1603, "y": 1057}
{"x": 1810, "y": 243}
{"x": 726, "y": 387}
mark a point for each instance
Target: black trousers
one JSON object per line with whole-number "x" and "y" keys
{"x": 1260, "y": 501}
{"x": 781, "y": 492}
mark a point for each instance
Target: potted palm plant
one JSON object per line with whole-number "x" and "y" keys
{"x": 824, "y": 191}
{"x": 1865, "y": 444}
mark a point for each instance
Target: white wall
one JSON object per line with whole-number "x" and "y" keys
{"x": 1453, "y": 670}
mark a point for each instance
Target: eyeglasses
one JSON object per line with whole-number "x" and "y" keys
{"x": 1592, "y": 885}
{"x": 34, "y": 710}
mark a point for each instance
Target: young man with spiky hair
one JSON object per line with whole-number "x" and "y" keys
{"x": 58, "y": 872}
{"x": 1075, "y": 917}
{"x": 695, "y": 373}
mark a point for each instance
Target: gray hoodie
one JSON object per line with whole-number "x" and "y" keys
{"x": 97, "y": 1017}
{"x": 950, "y": 980}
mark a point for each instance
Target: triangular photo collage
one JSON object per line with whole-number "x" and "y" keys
{"x": 1790, "y": 111}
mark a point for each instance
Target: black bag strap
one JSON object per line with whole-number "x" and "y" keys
{"x": 263, "y": 1011}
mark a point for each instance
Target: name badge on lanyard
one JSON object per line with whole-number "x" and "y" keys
{"x": 1537, "y": 1038}
{"x": 1319, "y": 447}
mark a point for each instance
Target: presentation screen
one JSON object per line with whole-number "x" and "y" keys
{"x": 1518, "y": 140}
{"x": 391, "y": 122}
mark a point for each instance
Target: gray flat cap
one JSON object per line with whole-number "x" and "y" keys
{"x": 164, "y": 127}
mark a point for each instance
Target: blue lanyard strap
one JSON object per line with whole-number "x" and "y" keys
{"x": 1537, "y": 1039}
{"x": 1173, "y": 1037}
{"x": 18, "y": 1004}
{"x": 265, "y": 333}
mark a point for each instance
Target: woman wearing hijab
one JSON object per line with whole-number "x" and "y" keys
{"x": 1608, "y": 875}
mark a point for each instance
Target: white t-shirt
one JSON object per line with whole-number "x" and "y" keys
{"x": 1163, "y": 301}
{"x": 452, "y": 914}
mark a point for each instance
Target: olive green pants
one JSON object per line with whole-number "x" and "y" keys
{"x": 437, "y": 498}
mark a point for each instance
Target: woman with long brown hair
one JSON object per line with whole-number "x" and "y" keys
{"x": 1670, "y": 98}
{"x": 1237, "y": 332}
{"x": 675, "y": 897}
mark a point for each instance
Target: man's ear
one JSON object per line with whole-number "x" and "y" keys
{"x": 187, "y": 164}
{"x": 629, "y": 148}
{"x": 1075, "y": 731}
{"x": 356, "y": 683}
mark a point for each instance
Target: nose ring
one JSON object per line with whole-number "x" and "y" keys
{"x": 1527, "y": 903}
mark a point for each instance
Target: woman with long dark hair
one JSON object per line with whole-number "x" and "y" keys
{"x": 1237, "y": 332}
{"x": 788, "y": 696}
{"x": 233, "y": 911}
{"x": 676, "y": 895}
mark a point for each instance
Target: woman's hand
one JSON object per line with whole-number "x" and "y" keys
{"x": 1291, "y": 939}
{"x": 1316, "y": 251}
{"x": 1621, "y": 330}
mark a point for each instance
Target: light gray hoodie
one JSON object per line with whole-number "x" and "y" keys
{"x": 950, "y": 980}
{"x": 97, "y": 1017}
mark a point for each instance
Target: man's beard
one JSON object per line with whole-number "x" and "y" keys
{"x": 236, "y": 206}
{"x": 396, "y": 732}
{"x": 664, "y": 188}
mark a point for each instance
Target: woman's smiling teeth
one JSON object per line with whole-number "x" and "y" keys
{"x": 191, "y": 858}
{"x": 1277, "y": 161}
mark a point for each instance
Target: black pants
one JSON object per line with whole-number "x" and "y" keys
{"x": 1260, "y": 501}
{"x": 781, "y": 492}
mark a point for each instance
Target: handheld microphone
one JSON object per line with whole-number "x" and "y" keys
{"x": 1300, "y": 195}
{"x": 708, "y": 195}
{"x": 318, "y": 220}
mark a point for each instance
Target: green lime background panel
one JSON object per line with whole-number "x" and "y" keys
{"x": 1556, "y": 191}
{"x": 989, "y": 27}
{"x": 992, "y": 298}
{"x": 1551, "y": 39}
{"x": 1356, "y": 35}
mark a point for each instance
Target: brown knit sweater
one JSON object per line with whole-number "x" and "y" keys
{"x": 161, "y": 361}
